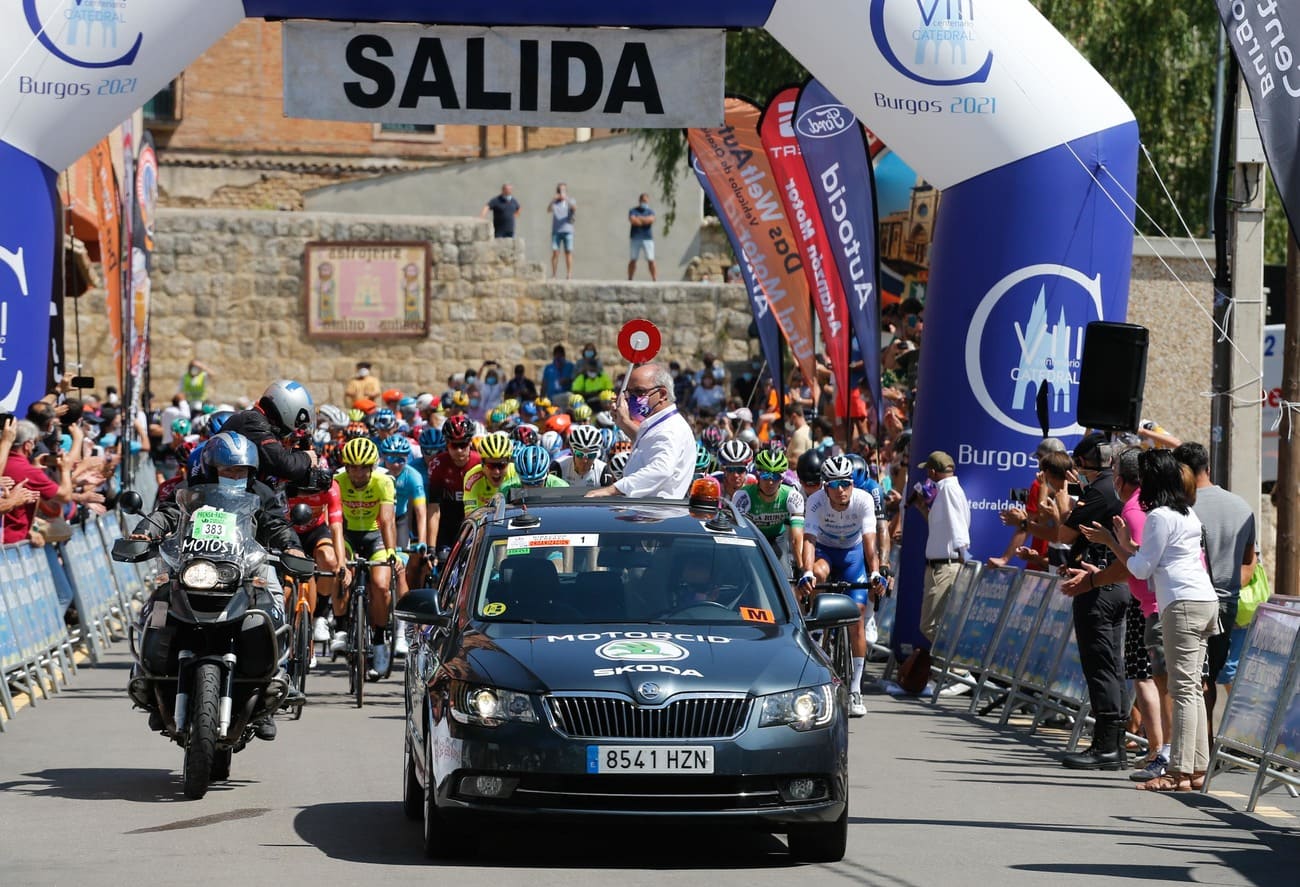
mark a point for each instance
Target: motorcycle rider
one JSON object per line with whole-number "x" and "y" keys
{"x": 231, "y": 460}
{"x": 283, "y": 408}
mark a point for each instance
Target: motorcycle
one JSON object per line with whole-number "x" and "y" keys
{"x": 210, "y": 642}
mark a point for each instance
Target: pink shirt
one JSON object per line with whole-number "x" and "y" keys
{"x": 1136, "y": 519}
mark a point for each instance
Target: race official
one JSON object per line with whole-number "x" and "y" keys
{"x": 662, "y": 462}
{"x": 949, "y": 539}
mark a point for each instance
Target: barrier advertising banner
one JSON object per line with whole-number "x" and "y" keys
{"x": 769, "y": 334}
{"x": 834, "y": 151}
{"x": 733, "y": 159}
{"x": 1258, "y": 33}
{"x": 602, "y": 77}
{"x": 776, "y": 128}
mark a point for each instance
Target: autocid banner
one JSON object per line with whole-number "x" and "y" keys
{"x": 605, "y": 77}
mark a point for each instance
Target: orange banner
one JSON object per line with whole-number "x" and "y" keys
{"x": 110, "y": 244}
{"x": 737, "y": 167}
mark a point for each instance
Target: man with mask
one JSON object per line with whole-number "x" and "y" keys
{"x": 592, "y": 380}
{"x": 642, "y": 219}
{"x": 662, "y": 462}
{"x": 558, "y": 375}
{"x": 363, "y": 385}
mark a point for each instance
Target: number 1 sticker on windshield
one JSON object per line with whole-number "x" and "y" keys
{"x": 213, "y": 523}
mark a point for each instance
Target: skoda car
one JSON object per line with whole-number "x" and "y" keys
{"x": 621, "y": 658}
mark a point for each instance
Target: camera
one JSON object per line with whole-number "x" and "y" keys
{"x": 5, "y": 419}
{"x": 1019, "y": 494}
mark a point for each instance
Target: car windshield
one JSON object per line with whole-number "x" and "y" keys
{"x": 575, "y": 578}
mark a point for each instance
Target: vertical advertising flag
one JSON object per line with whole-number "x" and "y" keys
{"x": 108, "y": 208}
{"x": 769, "y": 334}
{"x": 776, "y": 128}
{"x": 733, "y": 159}
{"x": 834, "y": 150}
{"x": 144, "y": 198}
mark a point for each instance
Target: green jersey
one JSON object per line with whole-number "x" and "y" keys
{"x": 785, "y": 509}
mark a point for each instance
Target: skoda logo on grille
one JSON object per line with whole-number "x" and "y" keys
{"x": 649, "y": 690}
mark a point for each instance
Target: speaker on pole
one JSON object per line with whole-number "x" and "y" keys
{"x": 1113, "y": 375}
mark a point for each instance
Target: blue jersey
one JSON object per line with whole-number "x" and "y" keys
{"x": 409, "y": 487}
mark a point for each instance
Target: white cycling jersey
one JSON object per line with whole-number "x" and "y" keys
{"x": 590, "y": 479}
{"x": 840, "y": 529}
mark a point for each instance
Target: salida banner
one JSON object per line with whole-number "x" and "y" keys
{"x": 606, "y": 77}
{"x": 733, "y": 158}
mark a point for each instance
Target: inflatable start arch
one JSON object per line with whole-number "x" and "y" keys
{"x": 1034, "y": 151}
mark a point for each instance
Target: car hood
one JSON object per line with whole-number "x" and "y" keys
{"x": 756, "y": 659}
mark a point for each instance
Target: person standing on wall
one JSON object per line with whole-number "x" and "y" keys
{"x": 563, "y": 211}
{"x": 504, "y": 209}
{"x": 642, "y": 219}
{"x": 361, "y": 386}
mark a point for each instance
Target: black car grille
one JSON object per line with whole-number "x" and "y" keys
{"x": 608, "y": 717}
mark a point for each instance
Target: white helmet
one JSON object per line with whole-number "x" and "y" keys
{"x": 617, "y": 463}
{"x": 585, "y": 440}
{"x": 734, "y": 453}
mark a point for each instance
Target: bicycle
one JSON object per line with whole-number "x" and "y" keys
{"x": 300, "y": 644}
{"x": 835, "y": 641}
{"x": 360, "y": 648}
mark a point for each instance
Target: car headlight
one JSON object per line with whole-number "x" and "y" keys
{"x": 200, "y": 574}
{"x": 491, "y": 706}
{"x": 805, "y": 709}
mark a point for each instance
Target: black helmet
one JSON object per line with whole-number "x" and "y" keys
{"x": 809, "y": 467}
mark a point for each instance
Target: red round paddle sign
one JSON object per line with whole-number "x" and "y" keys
{"x": 638, "y": 340}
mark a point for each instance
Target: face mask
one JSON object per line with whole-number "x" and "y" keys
{"x": 232, "y": 483}
{"x": 643, "y": 206}
{"x": 194, "y": 371}
{"x": 362, "y": 373}
{"x": 588, "y": 354}
{"x": 490, "y": 380}
{"x": 470, "y": 377}
{"x": 718, "y": 373}
{"x": 473, "y": 401}
{"x": 639, "y": 407}
{"x": 1084, "y": 482}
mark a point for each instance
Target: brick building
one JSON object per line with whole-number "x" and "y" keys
{"x": 223, "y": 139}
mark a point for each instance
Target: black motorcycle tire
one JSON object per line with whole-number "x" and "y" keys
{"x": 221, "y": 765}
{"x": 360, "y": 645}
{"x": 201, "y": 749}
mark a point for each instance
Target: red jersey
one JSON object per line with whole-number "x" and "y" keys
{"x": 325, "y": 506}
{"x": 447, "y": 482}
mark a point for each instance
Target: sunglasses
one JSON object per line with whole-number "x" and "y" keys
{"x": 642, "y": 392}
{"x": 838, "y": 484}
{"x": 500, "y": 466}
{"x": 769, "y": 475}
{"x": 457, "y": 446}
{"x": 736, "y": 469}
{"x": 394, "y": 460}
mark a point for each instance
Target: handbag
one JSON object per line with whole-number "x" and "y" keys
{"x": 1253, "y": 594}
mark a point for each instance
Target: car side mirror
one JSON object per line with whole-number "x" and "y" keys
{"x": 130, "y": 501}
{"x": 833, "y": 611}
{"x": 420, "y": 606}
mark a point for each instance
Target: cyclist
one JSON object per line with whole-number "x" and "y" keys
{"x": 532, "y": 469}
{"x": 384, "y": 425}
{"x": 711, "y": 437}
{"x": 704, "y": 461}
{"x": 614, "y": 470}
{"x": 776, "y": 508}
{"x": 735, "y": 457}
{"x": 484, "y": 482}
{"x": 432, "y": 442}
{"x": 446, "y": 485}
{"x": 809, "y": 471}
{"x": 408, "y": 515}
{"x": 322, "y": 538}
{"x": 585, "y": 467}
{"x": 839, "y": 543}
{"x": 369, "y": 529}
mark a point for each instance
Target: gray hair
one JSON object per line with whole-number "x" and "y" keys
{"x": 24, "y": 431}
{"x": 1126, "y": 465}
{"x": 662, "y": 378}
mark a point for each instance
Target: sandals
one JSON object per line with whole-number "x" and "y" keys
{"x": 1173, "y": 782}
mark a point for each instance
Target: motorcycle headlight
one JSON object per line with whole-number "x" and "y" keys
{"x": 491, "y": 706}
{"x": 200, "y": 575}
{"x": 805, "y": 709}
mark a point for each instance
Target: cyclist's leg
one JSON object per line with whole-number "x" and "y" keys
{"x": 326, "y": 562}
{"x": 855, "y": 570}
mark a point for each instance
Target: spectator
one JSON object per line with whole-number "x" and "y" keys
{"x": 557, "y": 378}
{"x": 592, "y": 380}
{"x": 520, "y": 387}
{"x": 505, "y": 209}
{"x": 709, "y": 396}
{"x": 362, "y": 386}
{"x": 178, "y": 409}
{"x": 683, "y": 382}
{"x": 662, "y": 462}
{"x": 563, "y": 211}
{"x": 194, "y": 384}
{"x": 796, "y": 425}
{"x": 492, "y": 390}
{"x": 1019, "y": 516}
{"x": 20, "y": 468}
{"x": 642, "y": 238}
{"x": 949, "y": 538}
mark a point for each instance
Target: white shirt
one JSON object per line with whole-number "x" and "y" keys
{"x": 1170, "y": 558}
{"x": 569, "y": 472}
{"x": 840, "y": 529}
{"x": 662, "y": 462}
{"x": 949, "y": 522}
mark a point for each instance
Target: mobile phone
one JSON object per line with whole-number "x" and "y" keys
{"x": 83, "y": 382}
{"x": 5, "y": 419}
{"x": 1074, "y": 490}
{"x": 1018, "y": 494}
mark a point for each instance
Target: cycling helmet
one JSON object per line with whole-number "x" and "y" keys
{"x": 607, "y": 436}
{"x": 559, "y": 423}
{"x": 385, "y": 420}
{"x": 528, "y": 410}
{"x": 229, "y": 450}
{"x": 837, "y": 468}
{"x": 525, "y": 434}
{"x": 391, "y": 395}
{"x": 458, "y": 430}
{"x": 496, "y": 417}
{"x": 408, "y": 405}
{"x": 360, "y": 451}
{"x": 533, "y": 464}
{"x": 321, "y": 438}
{"x": 288, "y": 405}
{"x": 552, "y": 442}
{"x": 582, "y": 413}
{"x": 396, "y": 446}
{"x": 543, "y": 404}
{"x": 432, "y": 441}
{"x": 604, "y": 419}
{"x": 181, "y": 426}
{"x": 748, "y": 436}
{"x": 703, "y": 458}
{"x": 496, "y": 445}
{"x": 809, "y": 467}
{"x": 447, "y": 400}
{"x": 860, "y": 473}
{"x": 585, "y": 440}
{"x": 200, "y": 426}
{"x": 355, "y": 415}
{"x": 606, "y": 396}
{"x": 194, "y": 464}
{"x": 459, "y": 399}
{"x": 734, "y": 453}
{"x": 772, "y": 460}
{"x": 510, "y": 405}
{"x": 576, "y": 400}
{"x": 332, "y": 416}
{"x": 355, "y": 430}
{"x": 711, "y": 437}
{"x": 617, "y": 463}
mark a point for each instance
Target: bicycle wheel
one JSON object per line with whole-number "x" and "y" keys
{"x": 390, "y": 630}
{"x": 302, "y": 651}
{"x": 360, "y": 643}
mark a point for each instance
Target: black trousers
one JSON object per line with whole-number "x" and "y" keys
{"x": 1099, "y": 630}
{"x": 1216, "y": 650}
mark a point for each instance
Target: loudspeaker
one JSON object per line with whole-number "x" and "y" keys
{"x": 1113, "y": 375}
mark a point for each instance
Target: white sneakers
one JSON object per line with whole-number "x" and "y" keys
{"x": 320, "y": 630}
{"x": 381, "y": 658}
{"x": 856, "y": 708}
{"x": 401, "y": 647}
{"x": 340, "y": 642}
{"x": 871, "y": 631}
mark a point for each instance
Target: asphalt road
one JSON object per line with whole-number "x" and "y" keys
{"x": 88, "y": 797}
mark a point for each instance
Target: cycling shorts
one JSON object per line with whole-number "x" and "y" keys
{"x": 367, "y": 543}
{"x": 315, "y": 537}
{"x": 847, "y": 565}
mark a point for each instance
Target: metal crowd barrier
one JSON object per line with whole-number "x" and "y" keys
{"x": 36, "y": 646}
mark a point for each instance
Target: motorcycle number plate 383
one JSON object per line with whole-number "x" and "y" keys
{"x": 213, "y": 524}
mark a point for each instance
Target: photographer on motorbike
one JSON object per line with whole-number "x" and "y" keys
{"x": 285, "y": 407}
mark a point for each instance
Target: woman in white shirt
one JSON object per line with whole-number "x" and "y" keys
{"x": 1170, "y": 560}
